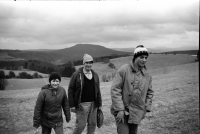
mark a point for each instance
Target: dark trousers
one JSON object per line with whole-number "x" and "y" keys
{"x": 47, "y": 130}
{"x": 126, "y": 128}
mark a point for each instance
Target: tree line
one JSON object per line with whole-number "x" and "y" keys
{"x": 66, "y": 70}
{"x": 35, "y": 65}
{"x": 104, "y": 59}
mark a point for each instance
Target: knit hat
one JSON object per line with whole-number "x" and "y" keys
{"x": 140, "y": 50}
{"x": 54, "y": 75}
{"x": 87, "y": 58}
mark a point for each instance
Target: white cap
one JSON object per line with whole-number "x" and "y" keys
{"x": 87, "y": 58}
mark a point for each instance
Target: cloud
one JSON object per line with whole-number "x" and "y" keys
{"x": 59, "y": 25}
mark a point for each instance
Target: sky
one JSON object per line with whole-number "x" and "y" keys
{"x": 113, "y": 24}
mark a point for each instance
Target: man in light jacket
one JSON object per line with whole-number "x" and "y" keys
{"x": 132, "y": 93}
{"x": 85, "y": 96}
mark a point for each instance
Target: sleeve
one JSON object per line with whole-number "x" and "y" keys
{"x": 65, "y": 106}
{"x": 116, "y": 91}
{"x": 99, "y": 94}
{"x": 149, "y": 96}
{"x": 38, "y": 110}
{"x": 71, "y": 91}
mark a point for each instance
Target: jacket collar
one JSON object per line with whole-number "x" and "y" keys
{"x": 90, "y": 72}
{"x": 81, "y": 70}
{"x": 135, "y": 69}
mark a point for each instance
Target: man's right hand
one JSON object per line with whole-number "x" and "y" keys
{"x": 73, "y": 109}
{"x": 120, "y": 117}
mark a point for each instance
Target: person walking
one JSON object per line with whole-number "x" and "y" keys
{"x": 131, "y": 93}
{"x": 48, "y": 109}
{"x": 85, "y": 96}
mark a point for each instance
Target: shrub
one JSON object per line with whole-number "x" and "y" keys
{"x": 113, "y": 75}
{"x": 40, "y": 76}
{"x": 111, "y": 65}
{"x": 3, "y": 84}
{"x": 104, "y": 78}
{"x": 2, "y": 75}
{"x": 25, "y": 75}
{"x": 3, "y": 81}
{"x": 12, "y": 74}
{"x": 35, "y": 75}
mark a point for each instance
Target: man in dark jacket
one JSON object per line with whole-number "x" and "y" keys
{"x": 131, "y": 93}
{"x": 48, "y": 109}
{"x": 85, "y": 96}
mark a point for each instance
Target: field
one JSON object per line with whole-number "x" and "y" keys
{"x": 175, "y": 108}
{"x": 6, "y": 57}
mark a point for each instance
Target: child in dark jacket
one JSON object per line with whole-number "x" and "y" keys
{"x": 48, "y": 109}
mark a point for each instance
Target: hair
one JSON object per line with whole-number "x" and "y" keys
{"x": 54, "y": 75}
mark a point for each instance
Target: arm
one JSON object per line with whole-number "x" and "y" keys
{"x": 99, "y": 95}
{"x": 65, "y": 106}
{"x": 71, "y": 93}
{"x": 149, "y": 96}
{"x": 38, "y": 110}
{"x": 116, "y": 92}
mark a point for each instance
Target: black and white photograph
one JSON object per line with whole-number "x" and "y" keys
{"x": 99, "y": 67}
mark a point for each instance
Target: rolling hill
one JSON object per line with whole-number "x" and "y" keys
{"x": 64, "y": 55}
{"x": 162, "y": 49}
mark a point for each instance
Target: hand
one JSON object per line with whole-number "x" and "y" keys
{"x": 120, "y": 117}
{"x": 145, "y": 111}
{"x": 99, "y": 107}
{"x": 73, "y": 109}
{"x": 36, "y": 131}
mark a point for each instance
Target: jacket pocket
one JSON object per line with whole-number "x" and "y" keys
{"x": 53, "y": 116}
{"x": 136, "y": 109}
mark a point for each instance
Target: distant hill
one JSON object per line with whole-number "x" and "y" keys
{"x": 190, "y": 52}
{"x": 76, "y": 52}
{"x": 64, "y": 55}
{"x": 159, "y": 49}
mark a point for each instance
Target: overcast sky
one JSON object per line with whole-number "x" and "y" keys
{"x": 113, "y": 24}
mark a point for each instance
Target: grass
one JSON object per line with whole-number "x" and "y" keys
{"x": 17, "y": 84}
{"x": 155, "y": 61}
{"x": 6, "y": 57}
{"x": 175, "y": 108}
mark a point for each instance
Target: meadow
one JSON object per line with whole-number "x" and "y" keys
{"x": 175, "y": 108}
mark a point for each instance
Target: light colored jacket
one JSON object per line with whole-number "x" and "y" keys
{"x": 131, "y": 91}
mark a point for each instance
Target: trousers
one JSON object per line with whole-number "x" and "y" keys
{"x": 86, "y": 114}
{"x": 47, "y": 130}
{"x": 126, "y": 128}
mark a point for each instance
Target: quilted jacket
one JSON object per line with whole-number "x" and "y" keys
{"x": 49, "y": 105}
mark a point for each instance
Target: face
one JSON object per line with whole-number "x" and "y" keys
{"x": 55, "y": 83}
{"x": 88, "y": 65}
{"x": 141, "y": 60}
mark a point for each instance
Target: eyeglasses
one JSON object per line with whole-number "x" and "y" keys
{"x": 89, "y": 62}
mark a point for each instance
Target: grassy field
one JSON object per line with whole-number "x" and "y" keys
{"x": 6, "y": 57}
{"x": 155, "y": 61}
{"x": 175, "y": 108}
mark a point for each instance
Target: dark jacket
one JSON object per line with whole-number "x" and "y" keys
{"x": 49, "y": 105}
{"x": 131, "y": 91}
{"x": 76, "y": 86}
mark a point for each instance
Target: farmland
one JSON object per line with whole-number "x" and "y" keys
{"x": 175, "y": 108}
